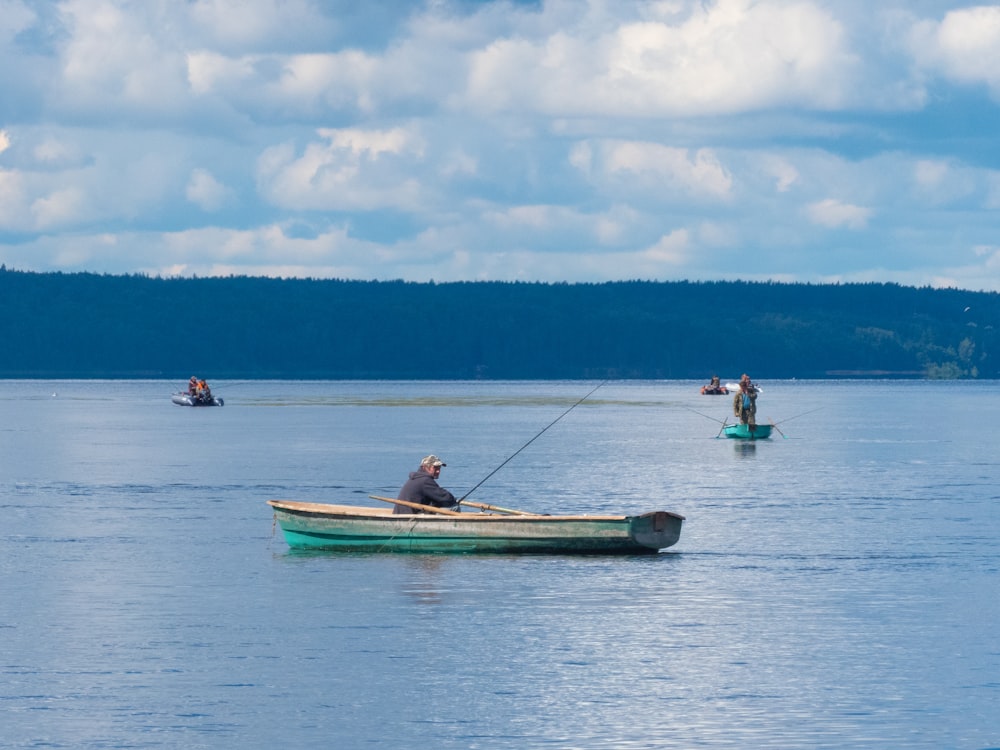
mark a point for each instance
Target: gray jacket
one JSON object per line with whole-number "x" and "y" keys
{"x": 422, "y": 488}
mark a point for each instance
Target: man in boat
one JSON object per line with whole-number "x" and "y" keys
{"x": 193, "y": 386}
{"x": 715, "y": 386}
{"x": 745, "y": 402}
{"x": 202, "y": 392}
{"x": 422, "y": 488}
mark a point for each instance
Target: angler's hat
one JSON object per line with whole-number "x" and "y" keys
{"x": 432, "y": 461}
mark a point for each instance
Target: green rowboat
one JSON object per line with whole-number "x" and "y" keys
{"x": 748, "y": 432}
{"x": 320, "y": 526}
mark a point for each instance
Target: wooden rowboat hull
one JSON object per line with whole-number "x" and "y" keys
{"x": 320, "y": 526}
{"x": 743, "y": 431}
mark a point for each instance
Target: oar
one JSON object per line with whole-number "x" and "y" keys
{"x": 722, "y": 428}
{"x": 775, "y": 426}
{"x": 417, "y": 506}
{"x": 498, "y": 509}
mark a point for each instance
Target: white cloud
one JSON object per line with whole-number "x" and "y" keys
{"x": 671, "y": 248}
{"x": 15, "y": 17}
{"x": 59, "y": 208}
{"x": 353, "y": 169}
{"x": 13, "y": 206}
{"x": 670, "y": 168}
{"x": 115, "y": 58}
{"x": 551, "y": 140}
{"x": 209, "y": 71}
{"x": 833, "y": 213}
{"x": 964, "y": 46}
{"x": 992, "y": 199}
{"x": 930, "y": 173}
{"x": 242, "y": 24}
{"x": 272, "y": 85}
{"x": 782, "y": 171}
{"x": 654, "y": 167}
{"x": 723, "y": 57}
{"x": 206, "y": 192}
{"x": 459, "y": 163}
{"x": 581, "y": 156}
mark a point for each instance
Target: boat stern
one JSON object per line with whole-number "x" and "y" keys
{"x": 657, "y": 530}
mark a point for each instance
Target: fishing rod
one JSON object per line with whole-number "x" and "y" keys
{"x": 530, "y": 441}
{"x": 720, "y": 421}
{"x": 799, "y": 415}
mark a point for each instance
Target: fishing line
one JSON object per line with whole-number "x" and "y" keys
{"x": 798, "y": 415}
{"x": 720, "y": 421}
{"x": 531, "y": 441}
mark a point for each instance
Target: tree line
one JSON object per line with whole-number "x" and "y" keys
{"x": 86, "y": 325}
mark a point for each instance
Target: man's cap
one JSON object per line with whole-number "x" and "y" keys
{"x": 432, "y": 461}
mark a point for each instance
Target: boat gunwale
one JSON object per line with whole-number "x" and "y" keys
{"x": 296, "y": 507}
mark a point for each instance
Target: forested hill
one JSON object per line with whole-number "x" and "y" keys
{"x": 85, "y": 325}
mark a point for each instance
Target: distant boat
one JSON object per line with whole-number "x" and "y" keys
{"x": 186, "y": 399}
{"x": 748, "y": 432}
{"x": 714, "y": 390}
{"x": 320, "y": 526}
{"x": 736, "y": 386}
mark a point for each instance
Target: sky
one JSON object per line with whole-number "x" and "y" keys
{"x": 819, "y": 141}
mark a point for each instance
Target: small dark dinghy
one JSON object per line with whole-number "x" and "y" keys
{"x": 197, "y": 394}
{"x": 186, "y": 399}
{"x": 714, "y": 390}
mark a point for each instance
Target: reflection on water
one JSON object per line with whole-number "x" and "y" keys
{"x": 423, "y": 579}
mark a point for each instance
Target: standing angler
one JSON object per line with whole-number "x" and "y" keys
{"x": 745, "y": 402}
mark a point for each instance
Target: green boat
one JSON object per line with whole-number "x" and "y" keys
{"x": 321, "y": 526}
{"x": 748, "y": 432}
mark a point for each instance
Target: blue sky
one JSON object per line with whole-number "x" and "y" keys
{"x": 788, "y": 140}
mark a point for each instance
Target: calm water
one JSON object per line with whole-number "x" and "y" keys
{"x": 833, "y": 588}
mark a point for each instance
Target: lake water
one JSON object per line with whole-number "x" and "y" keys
{"x": 836, "y": 586}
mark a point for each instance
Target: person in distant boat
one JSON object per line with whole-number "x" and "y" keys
{"x": 745, "y": 402}
{"x": 193, "y": 386}
{"x": 203, "y": 393}
{"x": 716, "y": 383}
{"x": 422, "y": 488}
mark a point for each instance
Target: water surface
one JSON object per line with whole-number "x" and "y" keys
{"x": 835, "y": 586}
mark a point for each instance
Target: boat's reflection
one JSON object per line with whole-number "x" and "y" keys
{"x": 424, "y": 583}
{"x": 745, "y": 448}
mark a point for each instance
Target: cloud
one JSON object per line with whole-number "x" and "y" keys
{"x": 206, "y": 192}
{"x": 15, "y": 17}
{"x": 261, "y": 24}
{"x": 13, "y": 205}
{"x": 352, "y": 168}
{"x": 930, "y": 173}
{"x": 59, "y": 207}
{"x": 113, "y": 59}
{"x": 455, "y": 139}
{"x": 784, "y": 173}
{"x": 964, "y": 46}
{"x": 654, "y": 167}
{"x": 671, "y": 248}
{"x": 834, "y": 214}
{"x": 722, "y": 57}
